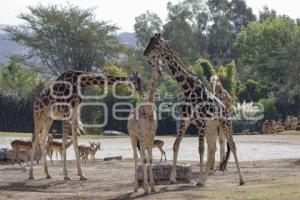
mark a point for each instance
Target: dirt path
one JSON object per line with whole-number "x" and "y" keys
{"x": 277, "y": 179}
{"x": 250, "y": 147}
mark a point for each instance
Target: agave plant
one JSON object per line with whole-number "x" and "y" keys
{"x": 248, "y": 111}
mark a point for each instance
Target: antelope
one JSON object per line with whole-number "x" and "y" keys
{"x": 55, "y": 146}
{"x": 18, "y": 145}
{"x": 159, "y": 144}
{"x": 85, "y": 151}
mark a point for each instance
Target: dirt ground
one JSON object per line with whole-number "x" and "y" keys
{"x": 276, "y": 179}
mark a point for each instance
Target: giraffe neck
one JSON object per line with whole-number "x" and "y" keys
{"x": 188, "y": 81}
{"x": 153, "y": 83}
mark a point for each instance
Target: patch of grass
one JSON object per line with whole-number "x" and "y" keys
{"x": 291, "y": 132}
{"x": 15, "y": 134}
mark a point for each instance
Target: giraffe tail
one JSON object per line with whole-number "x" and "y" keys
{"x": 223, "y": 165}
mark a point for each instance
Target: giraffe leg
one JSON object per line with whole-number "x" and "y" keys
{"x": 201, "y": 151}
{"x": 133, "y": 140}
{"x": 144, "y": 162}
{"x": 35, "y": 138}
{"x": 43, "y": 146}
{"x": 64, "y": 154}
{"x": 152, "y": 184}
{"x": 221, "y": 138}
{"x": 212, "y": 167}
{"x": 229, "y": 138}
{"x": 75, "y": 145}
{"x": 211, "y": 138}
{"x": 161, "y": 154}
{"x": 182, "y": 129}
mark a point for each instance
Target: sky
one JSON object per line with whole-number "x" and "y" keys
{"x": 123, "y": 12}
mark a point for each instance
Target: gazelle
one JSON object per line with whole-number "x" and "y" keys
{"x": 85, "y": 151}
{"x": 17, "y": 146}
{"x": 159, "y": 144}
{"x": 55, "y": 146}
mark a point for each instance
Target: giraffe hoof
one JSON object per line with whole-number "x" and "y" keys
{"x": 136, "y": 189}
{"x": 242, "y": 182}
{"x": 67, "y": 178}
{"x": 48, "y": 176}
{"x": 147, "y": 192}
{"x": 172, "y": 182}
{"x": 153, "y": 190}
{"x": 200, "y": 184}
{"x": 31, "y": 178}
{"x": 82, "y": 178}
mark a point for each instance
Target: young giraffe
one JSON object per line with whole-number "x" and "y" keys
{"x": 62, "y": 100}
{"x": 217, "y": 89}
{"x": 142, "y": 124}
{"x": 200, "y": 107}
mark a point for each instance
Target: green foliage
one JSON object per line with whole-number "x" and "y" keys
{"x": 66, "y": 37}
{"x": 168, "y": 85}
{"x": 17, "y": 79}
{"x": 204, "y": 70}
{"x": 270, "y": 52}
{"x": 270, "y": 111}
{"x": 252, "y": 90}
{"x": 146, "y": 25}
{"x": 227, "y": 19}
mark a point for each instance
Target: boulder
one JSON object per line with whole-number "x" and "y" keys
{"x": 7, "y": 154}
{"x": 3, "y": 154}
{"x": 162, "y": 173}
{"x": 113, "y": 158}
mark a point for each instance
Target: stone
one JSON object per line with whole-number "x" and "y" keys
{"x": 3, "y": 154}
{"x": 113, "y": 158}
{"x": 162, "y": 173}
{"x": 6, "y": 154}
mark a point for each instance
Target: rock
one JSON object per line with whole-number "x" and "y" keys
{"x": 6, "y": 154}
{"x": 3, "y": 154}
{"x": 113, "y": 158}
{"x": 162, "y": 173}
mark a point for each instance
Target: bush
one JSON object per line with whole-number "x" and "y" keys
{"x": 270, "y": 111}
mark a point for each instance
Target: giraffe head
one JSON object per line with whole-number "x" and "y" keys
{"x": 155, "y": 45}
{"x": 136, "y": 81}
{"x": 215, "y": 83}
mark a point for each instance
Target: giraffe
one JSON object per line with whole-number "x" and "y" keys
{"x": 217, "y": 89}
{"x": 62, "y": 99}
{"x": 142, "y": 124}
{"x": 200, "y": 107}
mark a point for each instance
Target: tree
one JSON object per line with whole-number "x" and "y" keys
{"x": 204, "y": 70}
{"x": 227, "y": 18}
{"x": 270, "y": 51}
{"x": 146, "y": 25}
{"x": 17, "y": 79}
{"x": 266, "y": 14}
{"x": 66, "y": 37}
{"x": 185, "y": 29}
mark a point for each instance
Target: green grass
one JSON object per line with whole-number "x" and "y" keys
{"x": 83, "y": 137}
{"x": 15, "y": 134}
{"x": 98, "y": 137}
{"x": 291, "y": 132}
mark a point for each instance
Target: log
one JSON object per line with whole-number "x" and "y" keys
{"x": 162, "y": 173}
{"x": 113, "y": 158}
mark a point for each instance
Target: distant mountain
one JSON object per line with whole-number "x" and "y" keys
{"x": 128, "y": 38}
{"x": 9, "y": 47}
